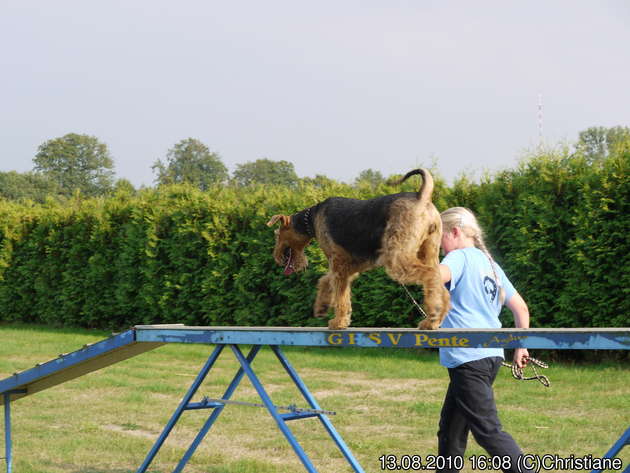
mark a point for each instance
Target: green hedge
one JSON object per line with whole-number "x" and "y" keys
{"x": 559, "y": 227}
{"x": 176, "y": 254}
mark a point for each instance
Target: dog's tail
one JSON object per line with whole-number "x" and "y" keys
{"x": 424, "y": 194}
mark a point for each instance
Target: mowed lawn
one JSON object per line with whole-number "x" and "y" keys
{"x": 387, "y": 401}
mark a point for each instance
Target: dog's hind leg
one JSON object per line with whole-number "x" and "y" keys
{"x": 436, "y": 300}
{"x": 408, "y": 269}
{"x": 436, "y": 297}
{"x": 325, "y": 295}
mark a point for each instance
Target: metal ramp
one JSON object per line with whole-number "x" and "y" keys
{"x": 65, "y": 367}
{"x": 68, "y": 366}
{"x": 144, "y": 338}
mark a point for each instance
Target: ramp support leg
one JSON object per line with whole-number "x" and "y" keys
{"x": 297, "y": 448}
{"x": 7, "y": 431}
{"x": 8, "y": 443}
{"x": 216, "y": 412}
{"x": 314, "y": 405}
{"x": 616, "y": 448}
{"x": 180, "y": 409}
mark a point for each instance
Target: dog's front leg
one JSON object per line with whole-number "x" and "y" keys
{"x": 343, "y": 306}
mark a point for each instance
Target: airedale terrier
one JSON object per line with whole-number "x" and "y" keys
{"x": 400, "y": 232}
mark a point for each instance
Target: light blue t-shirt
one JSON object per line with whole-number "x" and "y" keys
{"x": 474, "y": 301}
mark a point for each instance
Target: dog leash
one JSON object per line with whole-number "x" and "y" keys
{"x": 424, "y": 314}
{"x": 517, "y": 372}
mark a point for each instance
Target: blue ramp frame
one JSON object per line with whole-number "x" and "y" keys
{"x": 147, "y": 337}
{"x": 540, "y": 338}
{"x": 281, "y": 419}
{"x": 623, "y": 441}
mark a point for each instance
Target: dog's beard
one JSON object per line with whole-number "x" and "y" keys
{"x": 288, "y": 261}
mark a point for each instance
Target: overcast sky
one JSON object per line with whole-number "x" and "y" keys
{"x": 334, "y": 87}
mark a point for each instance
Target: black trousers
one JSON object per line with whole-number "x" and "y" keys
{"x": 469, "y": 406}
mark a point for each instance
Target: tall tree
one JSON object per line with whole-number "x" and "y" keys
{"x": 369, "y": 176}
{"x": 319, "y": 180}
{"x": 191, "y": 161}
{"x": 266, "y": 171}
{"x": 597, "y": 143}
{"x": 124, "y": 186}
{"x": 29, "y": 185}
{"x": 76, "y": 162}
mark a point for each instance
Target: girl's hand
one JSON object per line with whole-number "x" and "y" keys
{"x": 521, "y": 356}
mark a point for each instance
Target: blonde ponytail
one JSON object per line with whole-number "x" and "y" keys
{"x": 461, "y": 217}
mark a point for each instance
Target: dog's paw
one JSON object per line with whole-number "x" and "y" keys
{"x": 427, "y": 324}
{"x": 335, "y": 324}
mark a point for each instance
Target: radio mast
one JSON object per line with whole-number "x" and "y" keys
{"x": 540, "y": 121}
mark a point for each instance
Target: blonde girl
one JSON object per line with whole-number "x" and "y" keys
{"x": 478, "y": 288}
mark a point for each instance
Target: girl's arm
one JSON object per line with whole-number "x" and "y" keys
{"x": 445, "y": 273}
{"x": 519, "y": 309}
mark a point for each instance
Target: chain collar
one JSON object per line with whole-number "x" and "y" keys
{"x": 307, "y": 223}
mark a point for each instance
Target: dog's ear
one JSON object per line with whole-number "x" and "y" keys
{"x": 286, "y": 220}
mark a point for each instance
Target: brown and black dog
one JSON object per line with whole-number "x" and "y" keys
{"x": 400, "y": 232}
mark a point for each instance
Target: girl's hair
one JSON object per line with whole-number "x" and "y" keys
{"x": 464, "y": 219}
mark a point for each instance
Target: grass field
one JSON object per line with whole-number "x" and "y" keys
{"x": 387, "y": 402}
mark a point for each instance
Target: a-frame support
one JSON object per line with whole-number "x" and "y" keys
{"x": 217, "y": 407}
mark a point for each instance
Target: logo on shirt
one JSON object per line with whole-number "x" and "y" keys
{"x": 490, "y": 287}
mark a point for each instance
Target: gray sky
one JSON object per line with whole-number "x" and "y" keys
{"x": 335, "y": 87}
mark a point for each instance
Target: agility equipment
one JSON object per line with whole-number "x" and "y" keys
{"x": 143, "y": 338}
